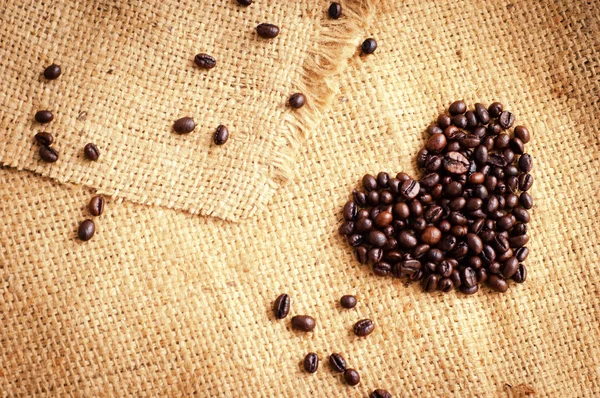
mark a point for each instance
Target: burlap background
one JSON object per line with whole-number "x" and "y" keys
{"x": 161, "y": 302}
{"x": 128, "y": 74}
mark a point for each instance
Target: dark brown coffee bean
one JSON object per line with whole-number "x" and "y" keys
{"x": 518, "y": 241}
{"x": 497, "y": 283}
{"x": 501, "y": 243}
{"x": 470, "y": 141}
{"x": 335, "y": 11}
{"x": 348, "y": 301}
{"x": 52, "y": 72}
{"x": 374, "y": 255}
{"x": 221, "y": 135}
{"x": 350, "y": 210}
{"x": 311, "y": 362}
{"x": 526, "y": 200}
{"x": 377, "y": 238}
{"x": 521, "y": 214}
{"x": 460, "y": 121}
{"x": 472, "y": 120}
{"x": 517, "y": 146}
{"x": 184, "y": 125}
{"x": 44, "y": 116}
{"x": 364, "y": 327}
{"x": 281, "y": 307}
{"x": 369, "y": 182}
{"x": 267, "y": 30}
{"x": 501, "y": 141}
{"x": 510, "y": 267}
{"x": 444, "y": 121}
{"x": 431, "y": 235}
{"x": 363, "y": 225}
{"x": 522, "y": 133}
{"x": 382, "y": 268}
{"x": 369, "y": 46}
{"x": 525, "y": 163}
{"x": 383, "y": 219}
{"x": 495, "y": 109}
{"x": 493, "y": 129}
{"x": 521, "y": 274}
{"x": 359, "y": 197}
{"x": 468, "y": 277}
{"x": 471, "y": 204}
{"x": 457, "y": 107}
{"x": 474, "y": 242}
{"x": 304, "y": 323}
{"x": 44, "y": 139}
{"x": 436, "y": 143}
{"x": 86, "y": 230}
{"x": 496, "y": 159}
{"x": 361, "y": 254}
{"x": 347, "y": 228}
{"x": 409, "y": 267}
{"x": 351, "y": 377}
{"x": 481, "y": 155}
{"x": 444, "y": 269}
{"x": 48, "y": 154}
{"x": 433, "y": 163}
{"x": 452, "y": 132}
{"x": 525, "y": 182}
{"x": 91, "y": 151}
{"x": 469, "y": 290}
{"x": 521, "y": 253}
{"x": 506, "y": 120}
{"x": 455, "y": 163}
{"x": 337, "y": 362}
{"x": 297, "y": 100}
{"x": 434, "y": 129}
{"x": 356, "y": 240}
{"x": 244, "y": 2}
{"x": 482, "y": 113}
{"x": 205, "y": 61}
{"x": 380, "y": 393}
{"x": 410, "y": 189}
{"x": 445, "y": 285}
{"x": 96, "y": 205}
{"x": 430, "y": 283}
{"x": 374, "y": 211}
{"x": 406, "y": 240}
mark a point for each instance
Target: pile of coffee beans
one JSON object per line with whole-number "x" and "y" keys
{"x": 465, "y": 221}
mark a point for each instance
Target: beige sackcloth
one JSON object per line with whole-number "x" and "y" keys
{"x": 163, "y": 302}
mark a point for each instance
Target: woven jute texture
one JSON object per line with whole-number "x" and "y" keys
{"x": 164, "y": 303}
{"x": 129, "y": 73}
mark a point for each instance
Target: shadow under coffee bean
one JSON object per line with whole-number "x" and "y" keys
{"x": 464, "y": 222}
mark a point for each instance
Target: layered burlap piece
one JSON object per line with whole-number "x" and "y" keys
{"x": 129, "y": 73}
{"x": 163, "y": 303}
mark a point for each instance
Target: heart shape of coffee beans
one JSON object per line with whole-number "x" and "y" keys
{"x": 464, "y": 222}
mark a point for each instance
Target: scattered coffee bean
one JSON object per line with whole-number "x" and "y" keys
{"x": 281, "y": 307}
{"x": 267, "y": 30}
{"x": 91, "y": 151}
{"x": 44, "y": 138}
{"x": 205, "y": 61}
{"x": 86, "y": 230}
{"x": 311, "y": 362}
{"x": 364, "y": 327}
{"x": 48, "y": 154}
{"x": 52, "y": 72}
{"x": 304, "y": 323}
{"x": 297, "y": 100}
{"x": 44, "y": 116}
{"x": 337, "y": 362}
{"x": 352, "y": 377}
{"x": 349, "y": 301}
{"x": 380, "y": 393}
{"x": 369, "y": 46}
{"x": 96, "y": 205}
{"x": 457, "y": 108}
{"x": 244, "y": 2}
{"x": 221, "y": 135}
{"x": 522, "y": 133}
{"x": 335, "y": 10}
{"x": 184, "y": 125}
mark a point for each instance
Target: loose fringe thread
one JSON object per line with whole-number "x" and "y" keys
{"x": 336, "y": 43}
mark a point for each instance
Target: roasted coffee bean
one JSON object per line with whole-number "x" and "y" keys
{"x": 369, "y": 182}
{"x": 444, "y": 269}
{"x": 267, "y": 30}
{"x": 444, "y": 121}
{"x": 518, "y": 241}
{"x": 481, "y": 275}
{"x": 474, "y": 262}
{"x": 347, "y": 228}
{"x": 420, "y": 250}
{"x": 525, "y": 163}
{"x": 457, "y": 107}
{"x": 469, "y": 290}
{"x": 205, "y": 61}
{"x": 488, "y": 254}
{"x": 519, "y": 229}
{"x": 364, "y": 327}
{"x": 526, "y": 200}
{"x": 373, "y": 198}
{"x": 416, "y": 208}
{"x": 297, "y": 100}
{"x": 369, "y": 46}
{"x": 86, "y": 230}
{"x": 433, "y": 163}
{"x": 409, "y": 267}
{"x": 434, "y": 129}
{"x": 436, "y": 143}
{"x": 52, "y": 72}
{"x": 422, "y": 156}
{"x": 311, "y": 362}
{"x": 406, "y": 240}
{"x": 386, "y": 197}
{"x": 377, "y": 238}
{"x": 452, "y": 132}
{"x": 502, "y": 257}
{"x": 501, "y": 141}
{"x": 221, "y": 135}
{"x": 281, "y": 307}
{"x": 374, "y": 212}
{"x": 479, "y": 132}
{"x": 517, "y": 145}
{"x": 494, "y": 267}
{"x": 460, "y": 121}
{"x": 303, "y": 323}
{"x": 433, "y": 214}
{"x": 348, "y": 301}
{"x": 505, "y": 223}
{"x": 521, "y": 274}
{"x": 497, "y": 283}
{"x": 363, "y": 225}
{"x": 410, "y": 189}
{"x": 431, "y": 235}
{"x": 44, "y": 116}
{"x": 361, "y": 254}
{"x": 394, "y": 186}
{"x": 382, "y": 268}
{"x": 383, "y": 219}
{"x": 244, "y": 2}
{"x": 522, "y": 133}
{"x": 468, "y": 277}
{"x": 374, "y": 255}
{"x": 359, "y": 198}
{"x": 506, "y": 120}
{"x": 44, "y": 139}
{"x": 525, "y": 182}
{"x": 402, "y": 176}
{"x": 512, "y": 183}
{"x": 521, "y": 214}
{"x": 481, "y": 155}
{"x": 356, "y": 240}
{"x": 48, "y": 154}
{"x": 494, "y": 129}
{"x": 380, "y": 393}
{"x": 430, "y": 283}
{"x": 521, "y": 253}
{"x": 418, "y": 224}
{"x": 470, "y": 141}
{"x": 496, "y": 159}
{"x": 501, "y": 243}
{"x": 429, "y": 180}
{"x": 91, "y": 151}
{"x": 445, "y": 285}
{"x": 510, "y": 267}
{"x": 335, "y": 10}
{"x": 337, "y": 362}
{"x": 401, "y": 210}
{"x": 435, "y": 255}
{"x": 472, "y": 119}
{"x": 482, "y": 113}
{"x": 472, "y": 204}
{"x": 350, "y": 210}
{"x": 96, "y": 205}
{"x": 495, "y": 109}
{"x": 455, "y": 163}
{"x": 474, "y": 242}
{"x": 393, "y": 256}
{"x": 351, "y": 377}
{"x": 184, "y": 125}
{"x": 382, "y": 179}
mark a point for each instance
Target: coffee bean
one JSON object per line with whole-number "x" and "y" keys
{"x": 501, "y": 243}
{"x": 470, "y": 141}
{"x": 495, "y": 109}
{"x": 303, "y": 323}
{"x": 431, "y": 235}
{"x": 361, "y": 254}
{"x": 205, "y": 61}
{"x": 433, "y": 163}
{"x": 410, "y": 189}
{"x": 468, "y": 277}
{"x": 96, "y": 205}
{"x": 44, "y": 139}
{"x": 474, "y": 242}
{"x": 481, "y": 155}
{"x": 494, "y": 129}
{"x": 506, "y": 120}
{"x": 91, "y": 151}
{"x": 350, "y": 211}
{"x": 444, "y": 121}
{"x": 455, "y": 277}
{"x": 184, "y": 125}
{"x": 337, "y": 362}
{"x": 444, "y": 269}
{"x": 445, "y": 285}
{"x": 382, "y": 268}
{"x": 525, "y": 163}
{"x": 525, "y": 182}
{"x": 518, "y": 241}
{"x": 460, "y": 121}
{"x": 297, "y": 100}
{"x": 380, "y": 393}
{"x": 348, "y": 301}
{"x": 369, "y": 46}
{"x": 267, "y": 30}
{"x": 347, "y": 228}
{"x": 363, "y": 225}
{"x": 86, "y": 230}
{"x": 48, "y": 154}
{"x": 221, "y": 135}
{"x": 469, "y": 290}
{"x": 311, "y": 362}
{"x": 436, "y": 143}
{"x": 510, "y": 267}
{"x": 52, "y": 72}
{"x": 521, "y": 214}
{"x": 455, "y": 163}
{"x": 356, "y": 240}
{"x": 430, "y": 283}
{"x": 434, "y": 129}
{"x": 369, "y": 182}
{"x": 521, "y": 253}
{"x": 522, "y": 133}
{"x": 407, "y": 240}
{"x": 374, "y": 255}
{"x": 457, "y": 107}
{"x": 517, "y": 146}
{"x": 352, "y": 377}
{"x": 497, "y": 283}
{"x": 377, "y": 238}
{"x": 521, "y": 274}
{"x": 383, "y": 219}
{"x": 472, "y": 120}
{"x": 482, "y": 113}
{"x": 364, "y": 327}
{"x": 244, "y": 2}
{"x": 335, "y": 11}
{"x": 501, "y": 141}
{"x": 359, "y": 197}
{"x": 281, "y": 307}
{"x": 44, "y": 116}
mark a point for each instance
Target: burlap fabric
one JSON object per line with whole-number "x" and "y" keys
{"x": 129, "y": 73}
{"x": 163, "y": 303}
